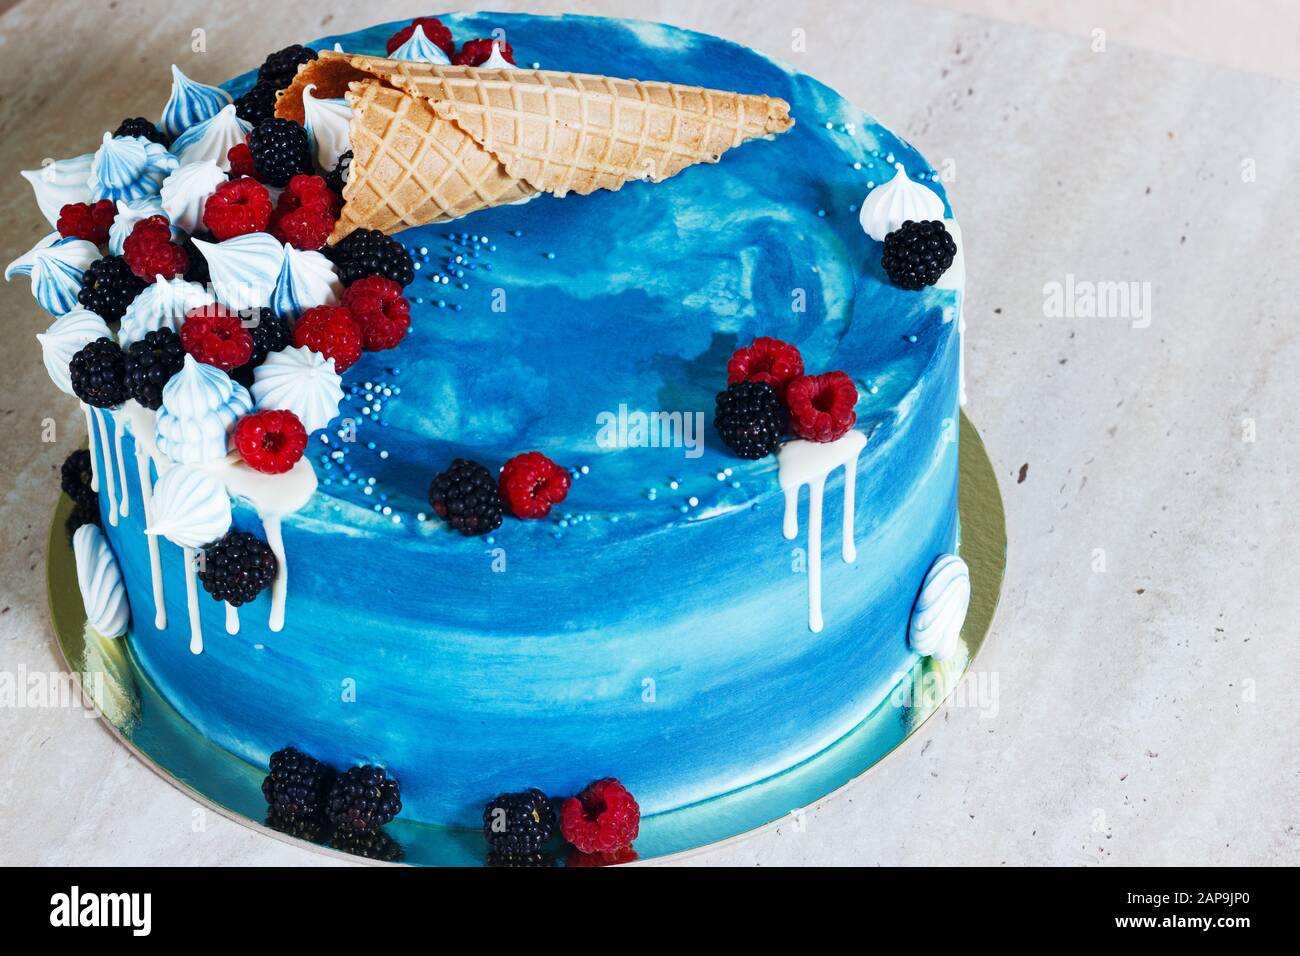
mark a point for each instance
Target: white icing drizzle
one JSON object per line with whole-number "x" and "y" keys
{"x": 232, "y": 618}
{"x": 192, "y": 599}
{"x": 119, "y": 421}
{"x": 800, "y": 463}
{"x": 110, "y": 484}
{"x": 155, "y": 558}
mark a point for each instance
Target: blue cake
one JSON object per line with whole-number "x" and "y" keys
{"x": 687, "y": 620}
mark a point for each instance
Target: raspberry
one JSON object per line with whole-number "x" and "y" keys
{"x": 331, "y": 331}
{"x": 237, "y": 208}
{"x": 438, "y": 34}
{"x": 305, "y": 215}
{"x": 139, "y": 126}
{"x": 821, "y": 406}
{"x": 108, "y": 287}
{"x": 237, "y": 568}
{"x": 531, "y": 483}
{"x": 75, "y": 476}
{"x": 581, "y": 860}
{"x": 917, "y": 254}
{"x": 377, "y": 305}
{"x": 217, "y": 337}
{"x": 477, "y": 52}
{"x": 766, "y": 360}
{"x": 602, "y": 819}
{"x": 280, "y": 151}
{"x": 79, "y": 220}
{"x": 97, "y": 374}
{"x": 271, "y": 442}
{"x": 297, "y": 785}
{"x": 467, "y": 498}
{"x": 517, "y": 825}
{"x": 150, "y": 252}
{"x": 364, "y": 798}
{"x": 240, "y": 158}
{"x": 750, "y": 419}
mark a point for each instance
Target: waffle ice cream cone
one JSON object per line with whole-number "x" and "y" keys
{"x": 436, "y": 142}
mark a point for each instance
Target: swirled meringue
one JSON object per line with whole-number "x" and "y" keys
{"x": 162, "y": 305}
{"x": 185, "y": 192}
{"x": 940, "y": 608}
{"x": 212, "y": 139}
{"x": 65, "y": 338}
{"x": 301, "y": 381}
{"x": 496, "y": 61}
{"x": 100, "y": 580}
{"x": 307, "y": 279}
{"x": 61, "y": 182}
{"x": 200, "y": 405}
{"x": 57, "y": 267}
{"x": 891, "y": 204}
{"x": 190, "y": 103}
{"x": 128, "y": 167}
{"x": 243, "y": 270}
{"x": 190, "y": 508}
{"x": 327, "y": 123}
{"x": 420, "y": 47}
{"x": 128, "y": 214}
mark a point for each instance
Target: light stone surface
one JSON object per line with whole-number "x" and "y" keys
{"x": 1145, "y": 713}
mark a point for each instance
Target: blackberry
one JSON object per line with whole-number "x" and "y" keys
{"x": 337, "y": 177}
{"x": 83, "y": 514}
{"x": 297, "y": 785}
{"x": 517, "y": 825}
{"x": 97, "y": 372}
{"x": 237, "y": 568}
{"x": 270, "y": 334}
{"x": 750, "y": 419}
{"x": 364, "y": 798}
{"x": 467, "y": 498}
{"x": 368, "y": 252}
{"x": 75, "y": 476}
{"x": 311, "y": 829}
{"x": 916, "y": 254}
{"x": 197, "y": 268}
{"x": 369, "y": 844}
{"x": 282, "y": 66}
{"x": 257, "y": 105}
{"x": 150, "y": 363}
{"x": 139, "y": 126}
{"x": 528, "y": 861}
{"x": 109, "y": 287}
{"x": 280, "y": 151}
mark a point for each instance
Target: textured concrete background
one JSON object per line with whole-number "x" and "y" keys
{"x": 1145, "y": 654}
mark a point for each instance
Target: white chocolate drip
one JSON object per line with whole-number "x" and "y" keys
{"x": 110, "y": 484}
{"x": 232, "y": 619}
{"x": 90, "y": 436}
{"x": 124, "y": 508}
{"x": 192, "y": 599}
{"x": 810, "y": 463}
{"x": 155, "y": 558}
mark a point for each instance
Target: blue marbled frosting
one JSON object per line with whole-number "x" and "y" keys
{"x": 633, "y": 633}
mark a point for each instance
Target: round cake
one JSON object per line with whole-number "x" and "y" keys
{"x": 685, "y": 619}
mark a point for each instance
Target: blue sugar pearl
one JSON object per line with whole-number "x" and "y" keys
{"x": 911, "y": 338}
{"x": 550, "y": 255}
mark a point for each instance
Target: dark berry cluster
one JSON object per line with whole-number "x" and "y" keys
{"x": 150, "y": 363}
{"x": 139, "y": 126}
{"x": 337, "y": 177}
{"x": 280, "y": 151}
{"x": 270, "y": 334}
{"x": 917, "y": 254}
{"x": 75, "y": 476}
{"x": 363, "y": 798}
{"x": 108, "y": 287}
{"x": 237, "y": 568}
{"x": 98, "y": 374}
{"x": 466, "y": 496}
{"x": 517, "y": 825}
{"x": 298, "y": 784}
{"x": 281, "y": 66}
{"x": 368, "y": 252}
{"x": 750, "y": 418}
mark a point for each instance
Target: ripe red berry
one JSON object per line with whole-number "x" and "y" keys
{"x": 438, "y": 34}
{"x": 150, "y": 252}
{"x": 271, "y": 442}
{"x": 237, "y": 208}
{"x": 766, "y": 360}
{"x": 240, "y": 158}
{"x": 79, "y": 220}
{"x": 604, "y": 818}
{"x": 476, "y": 52}
{"x": 378, "y": 306}
{"x": 306, "y": 212}
{"x": 530, "y": 483}
{"x": 821, "y": 406}
{"x": 217, "y": 337}
{"x": 331, "y": 331}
